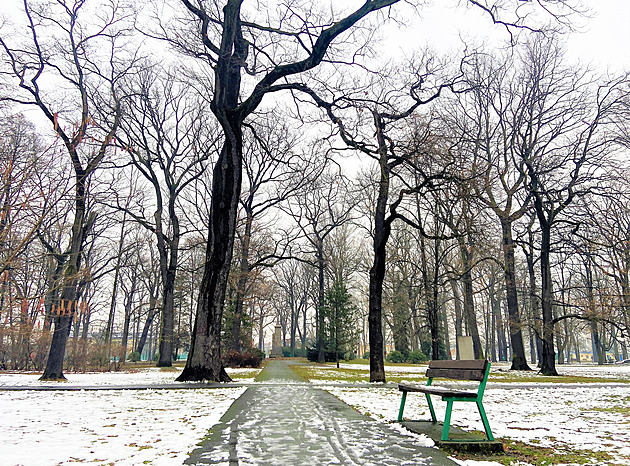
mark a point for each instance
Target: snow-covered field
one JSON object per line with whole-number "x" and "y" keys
{"x": 589, "y": 416}
{"x": 160, "y": 427}
{"x": 121, "y": 427}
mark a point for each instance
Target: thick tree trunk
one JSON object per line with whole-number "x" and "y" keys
{"x": 169, "y": 261}
{"x": 382, "y": 230}
{"x": 204, "y": 359}
{"x": 168, "y": 321}
{"x": 519, "y": 360}
{"x": 548, "y": 361}
{"x": 68, "y": 302}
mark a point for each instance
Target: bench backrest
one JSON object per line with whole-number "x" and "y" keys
{"x": 460, "y": 370}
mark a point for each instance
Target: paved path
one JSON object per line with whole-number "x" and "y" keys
{"x": 297, "y": 424}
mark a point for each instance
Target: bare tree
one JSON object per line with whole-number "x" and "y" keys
{"x": 61, "y": 49}
{"x": 232, "y": 44}
{"x": 561, "y": 138}
{"x": 169, "y": 139}
{"x": 323, "y": 206}
{"x": 483, "y": 120}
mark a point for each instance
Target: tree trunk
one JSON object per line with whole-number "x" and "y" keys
{"x": 458, "y": 314}
{"x": 128, "y": 305}
{"x": 109, "y": 330}
{"x": 382, "y": 230}
{"x": 204, "y": 359}
{"x": 68, "y": 304}
{"x": 321, "y": 357}
{"x": 168, "y": 320}
{"x": 236, "y": 343}
{"x": 469, "y": 303}
{"x": 548, "y": 361}
{"x": 430, "y": 296}
{"x": 519, "y": 360}
{"x": 147, "y": 324}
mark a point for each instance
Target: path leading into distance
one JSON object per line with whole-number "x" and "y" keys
{"x": 294, "y": 423}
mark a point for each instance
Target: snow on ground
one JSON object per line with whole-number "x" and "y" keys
{"x": 161, "y": 427}
{"x": 113, "y": 427}
{"x": 593, "y": 416}
{"x": 147, "y": 376}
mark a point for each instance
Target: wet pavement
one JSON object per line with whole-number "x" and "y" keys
{"x": 290, "y": 422}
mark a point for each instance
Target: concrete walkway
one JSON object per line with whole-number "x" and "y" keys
{"x": 294, "y": 423}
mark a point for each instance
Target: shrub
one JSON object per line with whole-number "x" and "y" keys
{"x": 349, "y": 356}
{"x": 134, "y": 356}
{"x": 253, "y": 357}
{"x": 233, "y": 359}
{"x": 396, "y": 357}
{"x": 311, "y": 355}
{"x": 366, "y": 355}
{"x": 417, "y": 356}
{"x": 298, "y": 352}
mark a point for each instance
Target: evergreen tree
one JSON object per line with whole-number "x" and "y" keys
{"x": 339, "y": 314}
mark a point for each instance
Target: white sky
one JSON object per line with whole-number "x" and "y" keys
{"x": 603, "y": 40}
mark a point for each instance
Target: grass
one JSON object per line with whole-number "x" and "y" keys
{"x": 325, "y": 373}
{"x": 329, "y": 373}
{"x": 520, "y": 452}
{"x": 533, "y": 376}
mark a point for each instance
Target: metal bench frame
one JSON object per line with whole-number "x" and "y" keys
{"x": 462, "y": 370}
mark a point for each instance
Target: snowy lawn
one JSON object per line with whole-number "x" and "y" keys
{"x": 146, "y": 376}
{"x": 161, "y": 427}
{"x": 564, "y": 416}
{"x": 108, "y": 427}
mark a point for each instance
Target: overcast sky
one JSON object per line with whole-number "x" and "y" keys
{"x": 603, "y": 40}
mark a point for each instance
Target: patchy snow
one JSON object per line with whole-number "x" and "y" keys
{"x": 121, "y": 427}
{"x": 591, "y": 416}
{"x": 124, "y": 427}
{"x": 147, "y": 376}
{"x": 161, "y": 427}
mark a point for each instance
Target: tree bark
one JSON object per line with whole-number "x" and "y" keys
{"x": 548, "y": 361}
{"x": 236, "y": 343}
{"x": 469, "y": 304}
{"x": 321, "y": 266}
{"x": 68, "y": 304}
{"x": 382, "y": 230}
{"x": 519, "y": 360}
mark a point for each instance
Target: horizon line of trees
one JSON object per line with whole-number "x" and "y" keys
{"x": 420, "y": 202}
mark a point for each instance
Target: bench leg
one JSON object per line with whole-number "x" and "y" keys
{"x": 402, "y": 406}
{"x": 447, "y": 420}
{"x": 484, "y": 419}
{"x": 430, "y": 403}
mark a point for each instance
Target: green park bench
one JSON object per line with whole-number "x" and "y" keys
{"x": 476, "y": 370}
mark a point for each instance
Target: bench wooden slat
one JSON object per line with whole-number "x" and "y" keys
{"x": 437, "y": 391}
{"x": 458, "y": 370}
{"x": 465, "y": 374}
{"x": 478, "y": 364}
